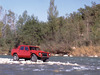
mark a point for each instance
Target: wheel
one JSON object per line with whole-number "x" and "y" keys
{"x": 45, "y": 60}
{"x": 26, "y": 59}
{"x": 34, "y": 58}
{"x": 15, "y": 57}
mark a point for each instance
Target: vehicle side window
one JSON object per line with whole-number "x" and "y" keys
{"x": 22, "y": 48}
{"x": 26, "y": 48}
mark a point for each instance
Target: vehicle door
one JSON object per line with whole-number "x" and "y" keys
{"x": 27, "y": 52}
{"x": 21, "y": 51}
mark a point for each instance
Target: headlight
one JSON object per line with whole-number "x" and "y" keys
{"x": 39, "y": 54}
{"x": 49, "y": 54}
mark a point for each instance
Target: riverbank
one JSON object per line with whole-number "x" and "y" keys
{"x": 90, "y": 51}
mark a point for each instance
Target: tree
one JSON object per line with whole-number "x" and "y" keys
{"x": 1, "y": 26}
{"x": 23, "y": 19}
{"x": 52, "y": 18}
{"x": 52, "y": 12}
{"x": 11, "y": 19}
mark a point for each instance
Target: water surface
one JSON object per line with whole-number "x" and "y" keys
{"x": 85, "y": 66}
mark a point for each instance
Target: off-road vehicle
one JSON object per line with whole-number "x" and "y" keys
{"x": 27, "y": 52}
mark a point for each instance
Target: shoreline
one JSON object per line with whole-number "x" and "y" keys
{"x": 63, "y": 55}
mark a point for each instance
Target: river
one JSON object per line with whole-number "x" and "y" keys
{"x": 56, "y": 65}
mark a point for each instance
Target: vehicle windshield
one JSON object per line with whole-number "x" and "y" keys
{"x": 34, "y": 48}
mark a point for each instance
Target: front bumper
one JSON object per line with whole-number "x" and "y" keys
{"x": 43, "y": 57}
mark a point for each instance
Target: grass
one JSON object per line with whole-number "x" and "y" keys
{"x": 86, "y": 51}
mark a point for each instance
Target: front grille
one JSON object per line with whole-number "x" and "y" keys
{"x": 44, "y": 54}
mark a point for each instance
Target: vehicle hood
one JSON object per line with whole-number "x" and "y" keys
{"x": 42, "y": 51}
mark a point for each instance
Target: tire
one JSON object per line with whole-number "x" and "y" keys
{"x": 34, "y": 58}
{"x": 15, "y": 57}
{"x": 45, "y": 60}
{"x": 26, "y": 59}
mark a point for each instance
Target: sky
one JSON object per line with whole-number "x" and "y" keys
{"x": 40, "y": 7}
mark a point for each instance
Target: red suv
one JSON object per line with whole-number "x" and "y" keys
{"x": 29, "y": 52}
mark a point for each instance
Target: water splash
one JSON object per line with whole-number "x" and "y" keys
{"x": 22, "y": 62}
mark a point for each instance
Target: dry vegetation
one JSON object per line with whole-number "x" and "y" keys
{"x": 86, "y": 51}
{"x": 56, "y": 48}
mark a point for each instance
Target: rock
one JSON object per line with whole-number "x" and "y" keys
{"x": 56, "y": 55}
{"x": 65, "y": 55}
{"x": 73, "y": 47}
{"x": 70, "y": 55}
{"x": 56, "y": 71}
{"x": 5, "y": 54}
{"x": 95, "y": 56}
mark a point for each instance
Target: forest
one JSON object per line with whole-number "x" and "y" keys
{"x": 78, "y": 31}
